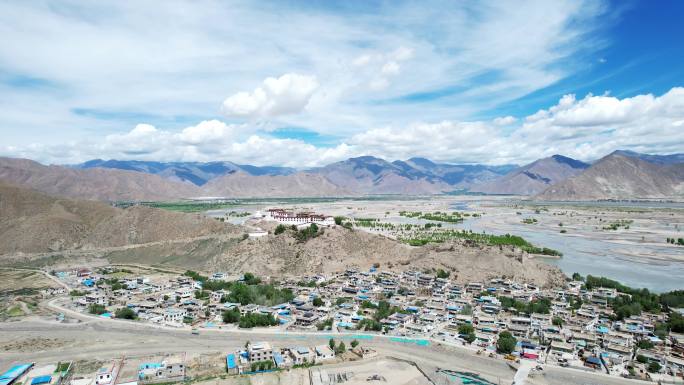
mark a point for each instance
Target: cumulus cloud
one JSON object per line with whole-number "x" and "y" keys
{"x": 584, "y": 128}
{"x": 288, "y": 94}
{"x": 505, "y": 120}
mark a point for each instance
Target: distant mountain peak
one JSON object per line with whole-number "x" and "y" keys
{"x": 423, "y": 162}
{"x": 574, "y": 163}
{"x": 651, "y": 158}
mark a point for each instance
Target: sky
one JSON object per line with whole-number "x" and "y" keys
{"x": 307, "y": 83}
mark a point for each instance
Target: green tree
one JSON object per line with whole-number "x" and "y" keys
{"x": 231, "y": 316}
{"x": 96, "y": 309}
{"x": 354, "y": 344}
{"x": 442, "y": 274}
{"x": 341, "y": 348}
{"x": 557, "y": 321}
{"x": 641, "y": 359}
{"x": 331, "y": 343}
{"x": 339, "y": 220}
{"x": 125, "y": 313}
{"x": 506, "y": 343}
{"x": 318, "y": 302}
{"x": 467, "y": 332}
{"x": 654, "y": 367}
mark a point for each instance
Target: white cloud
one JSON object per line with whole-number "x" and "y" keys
{"x": 402, "y": 53}
{"x": 135, "y": 66}
{"x": 362, "y": 60}
{"x": 288, "y": 94}
{"x": 390, "y": 68}
{"x": 586, "y": 129}
{"x": 505, "y": 120}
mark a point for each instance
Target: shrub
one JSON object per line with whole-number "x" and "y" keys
{"x": 279, "y": 229}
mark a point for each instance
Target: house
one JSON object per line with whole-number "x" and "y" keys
{"x": 307, "y": 319}
{"x": 168, "y": 371}
{"x": 175, "y": 315}
{"x": 107, "y": 374}
{"x": 259, "y": 351}
{"x": 302, "y": 355}
{"x": 324, "y": 353}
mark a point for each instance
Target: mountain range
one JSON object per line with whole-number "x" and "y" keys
{"x": 623, "y": 175}
{"x": 535, "y": 177}
{"x": 194, "y": 172}
{"x": 619, "y": 175}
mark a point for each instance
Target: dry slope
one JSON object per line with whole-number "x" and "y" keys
{"x": 32, "y": 222}
{"x": 95, "y": 183}
{"x": 618, "y": 176}
{"x": 300, "y": 184}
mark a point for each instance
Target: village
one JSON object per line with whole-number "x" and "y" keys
{"x": 571, "y": 327}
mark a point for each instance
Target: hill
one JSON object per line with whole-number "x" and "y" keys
{"x": 39, "y": 230}
{"x": 621, "y": 175}
{"x": 32, "y": 222}
{"x": 533, "y": 178}
{"x": 96, "y": 183}
{"x": 300, "y": 184}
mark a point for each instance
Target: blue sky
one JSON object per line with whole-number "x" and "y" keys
{"x": 306, "y": 83}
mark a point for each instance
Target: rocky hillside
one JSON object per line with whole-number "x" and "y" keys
{"x": 338, "y": 249}
{"x": 96, "y": 183}
{"x": 370, "y": 175}
{"x": 621, "y": 176}
{"x": 533, "y": 178}
{"x": 300, "y": 184}
{"x": 32, "y": 222}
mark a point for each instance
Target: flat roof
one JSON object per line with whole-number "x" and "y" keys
{"x": 41, "y": 380}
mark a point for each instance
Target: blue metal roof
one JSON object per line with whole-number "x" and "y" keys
{"x": 230, "y": 361}
{"x": 13, "y": 373}
{"x": 278, "y": 358}
{"x": 41, "y": 380}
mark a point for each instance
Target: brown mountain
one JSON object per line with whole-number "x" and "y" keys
{"x": 95, "y": 183}
{"x": 622, "y": 176}
{"x": 533, "y": 178}
{"x": 371, "y": 175}
{"x": 32, "y": 222}
{"x": 240, "y": 184}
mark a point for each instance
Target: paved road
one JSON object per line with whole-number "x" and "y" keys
{"x": 96, "y": 339}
